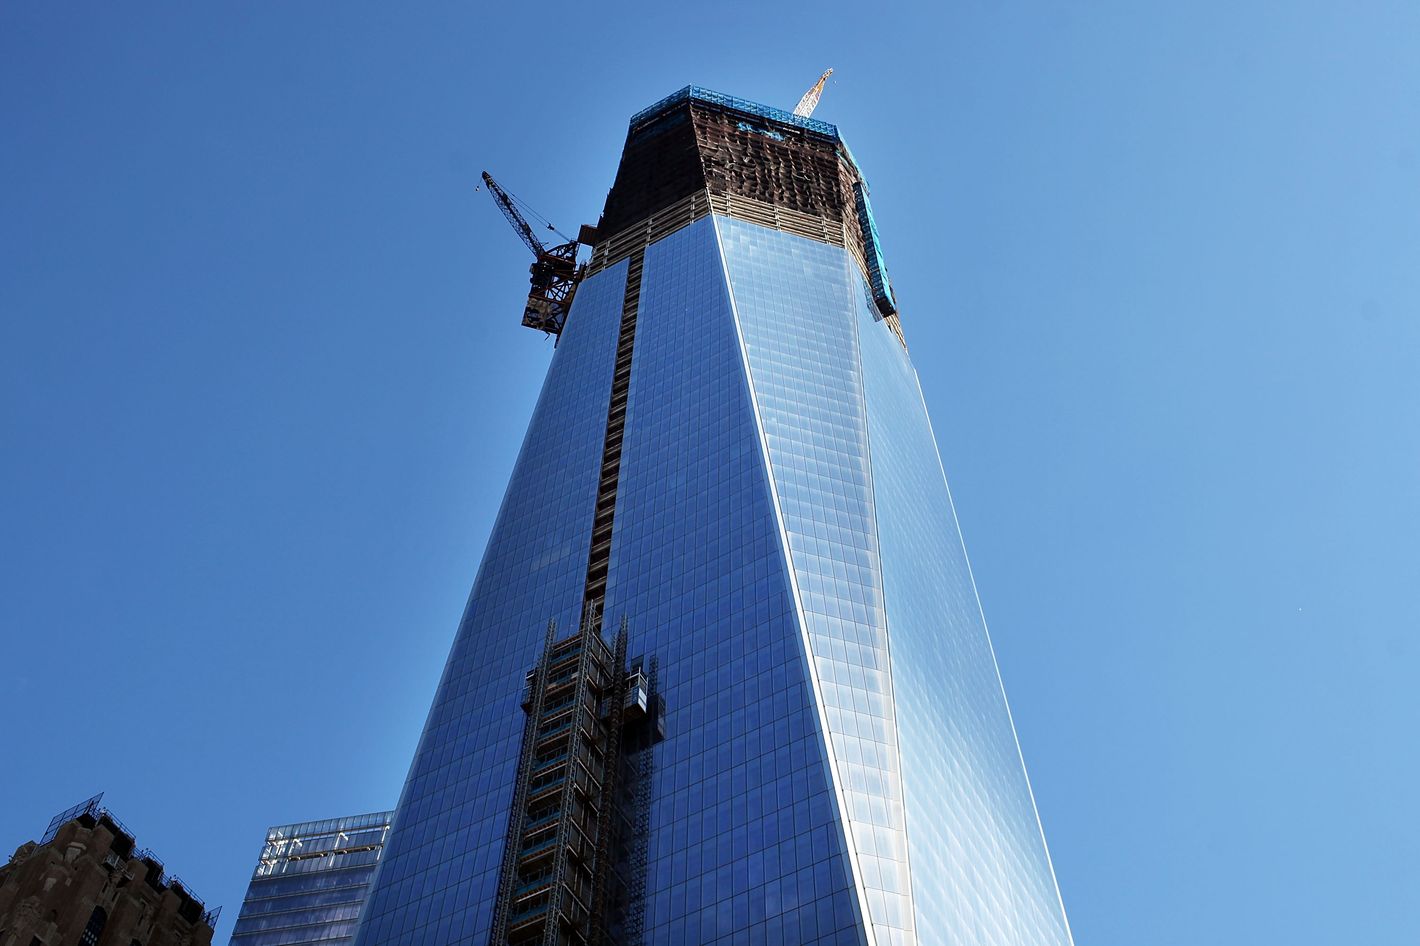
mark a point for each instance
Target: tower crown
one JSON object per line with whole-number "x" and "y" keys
{"x": 698, "y": 151}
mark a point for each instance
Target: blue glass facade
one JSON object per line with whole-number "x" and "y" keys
{"x": 745, "y": 844}
{"x": 802, "y": 349}
{"x": 922, "y": 744}
{"x": 440, "y": 870}
{"x": 981, "y": 872}
{"x": 839, "y": 764}
{"x": 311, "y": 881}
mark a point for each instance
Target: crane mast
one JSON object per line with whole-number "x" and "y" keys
{"x": 554, "y": 273}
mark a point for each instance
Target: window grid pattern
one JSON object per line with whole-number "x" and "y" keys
{"x": 745, "y": 846}
{"x": 796, "y": 300}
{"x": 439, "y": 874}
{"x": 981, "y": 872}
{"x": 310, "y": 883}
{"x": 756, "y": 836}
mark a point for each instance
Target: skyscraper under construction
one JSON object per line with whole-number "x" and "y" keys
{"x": 723, "y": 676}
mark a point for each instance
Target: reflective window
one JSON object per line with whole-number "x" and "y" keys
{"x": 744, "y": 843}
{"x": 311, "y": 882}
{"x": 795, "y": 301}
{"x": 980, "y": 869}
{"x": 838, "y": 747}
{"x": 439, "y": 872}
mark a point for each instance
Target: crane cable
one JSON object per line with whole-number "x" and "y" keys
{"x": 528, "y": 211}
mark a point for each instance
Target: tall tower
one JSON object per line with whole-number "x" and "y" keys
{"x": 728, "y": 554}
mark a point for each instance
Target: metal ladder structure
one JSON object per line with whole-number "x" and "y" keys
{"x": 561, "y": 884}
{"x": 599, "y": 556}
{"x": 640, "y": 763}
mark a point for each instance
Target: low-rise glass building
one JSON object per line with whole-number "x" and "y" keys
{"x": 310, "y": 882}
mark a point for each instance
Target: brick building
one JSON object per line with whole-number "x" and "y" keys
{"x": 86, "y": 883}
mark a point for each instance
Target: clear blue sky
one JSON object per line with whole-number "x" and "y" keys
{"x": 262, "y": 382}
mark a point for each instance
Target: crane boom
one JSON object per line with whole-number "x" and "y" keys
{"x": 809, "y": 102}
{"x": 555, "y": 273}
{"x": 505, "y": 204}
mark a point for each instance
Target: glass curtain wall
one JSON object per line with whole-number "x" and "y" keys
{"x": 839, "y": 765}
{"x": 310, "y": 883}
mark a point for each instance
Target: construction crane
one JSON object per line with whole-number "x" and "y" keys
{"x": 555, "y": 273}
{"x": 809, "y": 102}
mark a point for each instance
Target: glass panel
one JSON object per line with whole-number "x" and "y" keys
{"x": 439, "y": 873}
{"x": 744, "y": 844}
{"x": 806, "y": 619}
{"x": 310, "y": 883}
{"x": 980, "y": 868}
{"x": 796, "y": 303}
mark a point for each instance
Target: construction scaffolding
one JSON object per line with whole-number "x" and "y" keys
{"x": 698, "y": 152}
{"x": 564, "y": 879}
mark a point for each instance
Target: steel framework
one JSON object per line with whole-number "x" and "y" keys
{"x": 562, "y": 881}
{"x": 555, "y": 273}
